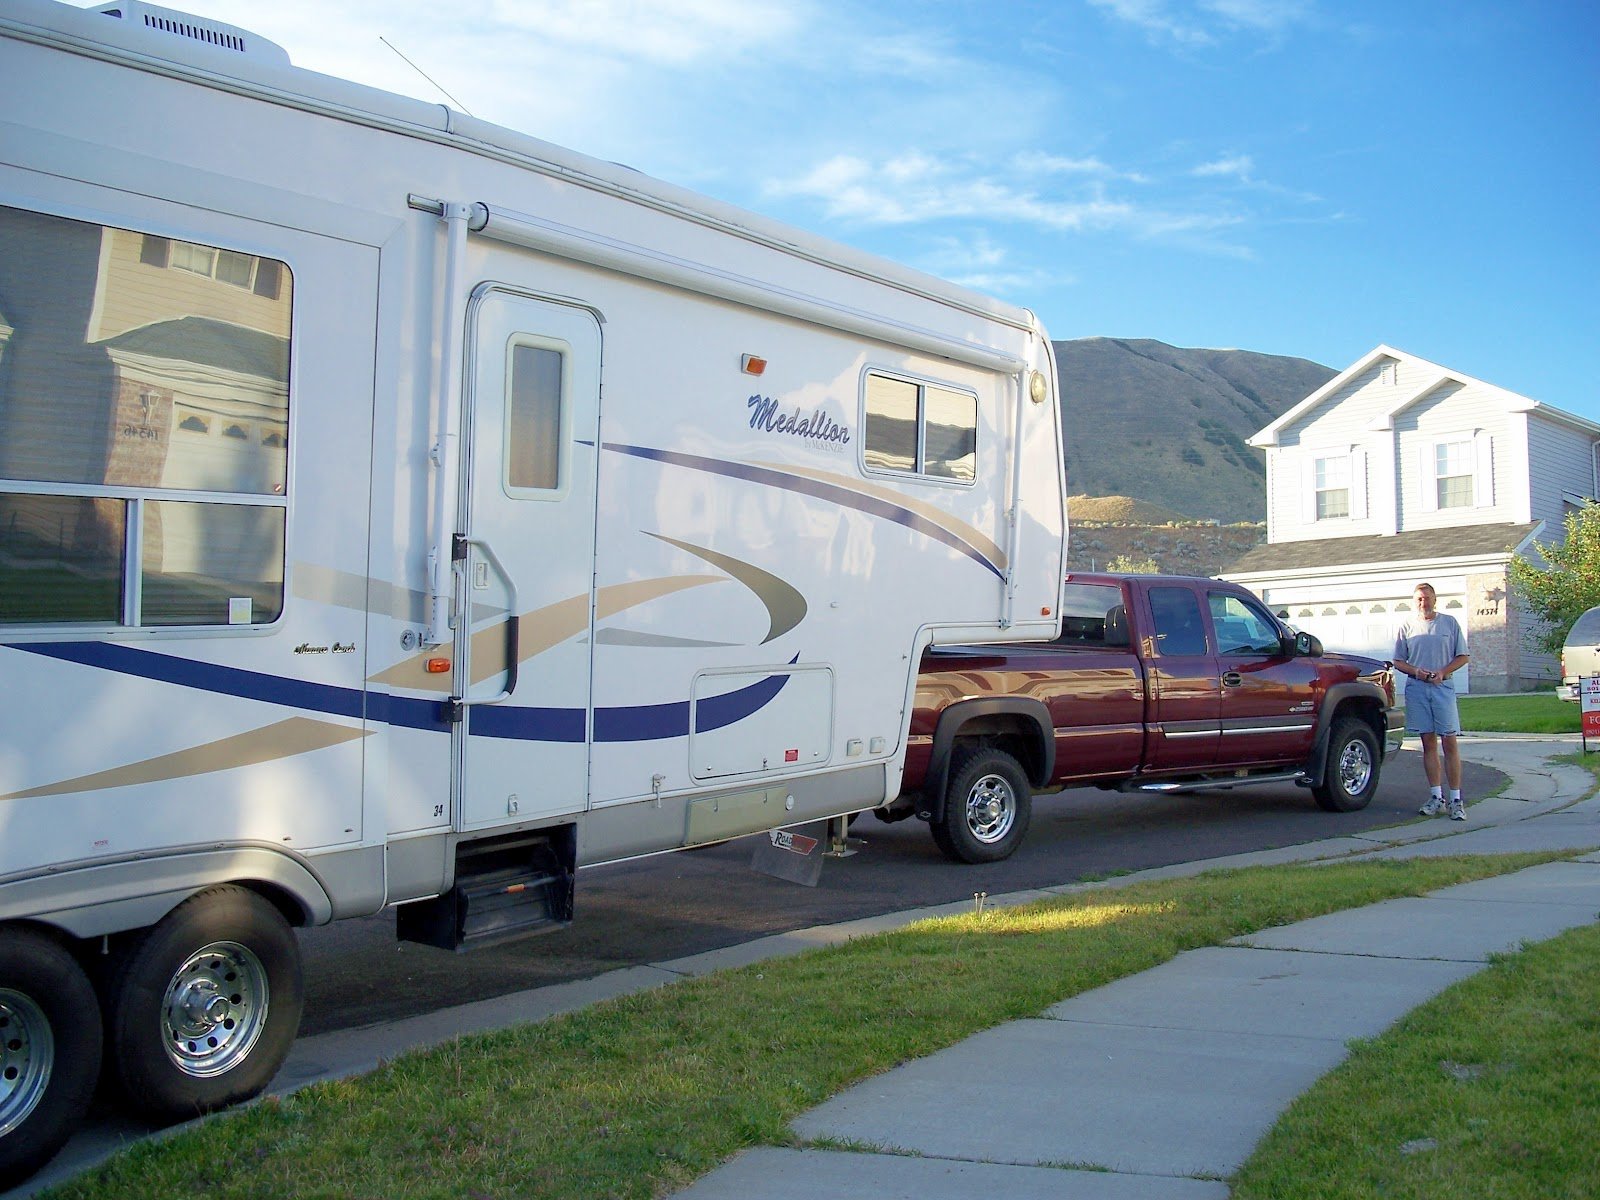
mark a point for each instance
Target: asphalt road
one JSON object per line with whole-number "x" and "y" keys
{"x": 684, "y": 903}
{"x": 678, "y": 904}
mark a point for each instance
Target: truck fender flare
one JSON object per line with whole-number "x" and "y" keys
{"x": 107, "y": 898}
{"x": 1338, "y": 694}
{"x": 1034, "y": 717}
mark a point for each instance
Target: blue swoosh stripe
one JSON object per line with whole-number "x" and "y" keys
{"x": 831, "y": 492}
{"x": 629, "y": 723}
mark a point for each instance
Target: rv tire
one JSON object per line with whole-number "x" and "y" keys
{"x": 49, "y": 1051}
{"x": 205, "y": 1005}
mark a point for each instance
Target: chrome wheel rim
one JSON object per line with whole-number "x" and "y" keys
{"x": 27, "y": 1056}
{"x": 1355, "y": 768}
{"x": 214, "y": 1009}
{"x": 991, "y": 809}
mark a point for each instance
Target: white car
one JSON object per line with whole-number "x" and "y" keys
{"x": 1581, "y": 654}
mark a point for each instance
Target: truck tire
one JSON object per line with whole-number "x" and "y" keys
{"x": 49, "y": 1051}
{"x": 204, "y": 1007}
{"x": 1351, "y": 775}
{"x": 987, "y": 807}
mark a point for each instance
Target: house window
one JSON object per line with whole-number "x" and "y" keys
{"x": 1334, "y": 484}
{"x": 1453, "y": 474}
{"x": 1457, "y": 471}
{"x": 916, "y": 428}
{"x": 1333, "y": 487}
{"x": 225, "y": 266}
{"x": 135, "y": 489}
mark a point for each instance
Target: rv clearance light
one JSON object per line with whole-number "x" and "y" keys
{"x": 750, "y": 364}
{"x": 438, "y": 666}
{"x": 1038, "y": 389}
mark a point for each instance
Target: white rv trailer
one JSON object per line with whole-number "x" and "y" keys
{"x": 400, "y": 511}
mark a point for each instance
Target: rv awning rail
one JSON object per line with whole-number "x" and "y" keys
{"x": 643, "y": 262}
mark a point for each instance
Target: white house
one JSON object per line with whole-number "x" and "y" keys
{"x": 1399, "y": 470}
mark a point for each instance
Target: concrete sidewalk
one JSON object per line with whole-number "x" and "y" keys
{"x": 1154, "y": 1080}
{"x": 1161, "y": 1084}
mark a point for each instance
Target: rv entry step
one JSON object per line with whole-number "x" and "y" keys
{"x": 505, "y": 888}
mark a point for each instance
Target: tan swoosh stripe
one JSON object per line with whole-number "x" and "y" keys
{"x": 978, "y": 540}
{"x": 537, "y": 631}
{"x": 285, "y": 739}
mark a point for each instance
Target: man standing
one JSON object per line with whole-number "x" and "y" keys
{"x": 1430, "y": 648}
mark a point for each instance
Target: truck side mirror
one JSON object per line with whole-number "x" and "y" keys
{"x": 1307, "y": 646}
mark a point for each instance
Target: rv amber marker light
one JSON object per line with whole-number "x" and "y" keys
{"x": 751, "y": 364}
{"x": 438, "y": 666}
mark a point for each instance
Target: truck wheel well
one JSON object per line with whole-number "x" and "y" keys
{"x": 1369, "y": 711}
{"x": 1012, "y": 733}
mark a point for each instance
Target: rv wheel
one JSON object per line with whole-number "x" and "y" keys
{"x": 206, "y": 1004}
{"x": 987, "y": 807}
{"x": 49, "y": 1051}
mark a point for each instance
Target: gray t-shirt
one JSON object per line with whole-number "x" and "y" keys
{"x": 1430, "y": 645}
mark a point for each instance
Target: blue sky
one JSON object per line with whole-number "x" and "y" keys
{"x": 1298, "y": 177}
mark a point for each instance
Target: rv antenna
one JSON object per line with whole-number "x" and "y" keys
{"x": 425, "y": 75}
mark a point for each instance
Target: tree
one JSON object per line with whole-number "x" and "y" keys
{"x": 1558, "y": 594}
{"x": 1126, "y": 564}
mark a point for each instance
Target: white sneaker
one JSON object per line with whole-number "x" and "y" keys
{"x": 1433, "y": 807}
{"x": 1458, "y": 811}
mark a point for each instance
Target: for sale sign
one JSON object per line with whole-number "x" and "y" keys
{"x": 1589, "y": 695}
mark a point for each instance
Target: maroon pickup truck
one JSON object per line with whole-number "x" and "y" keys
{"x": 1157, "y": 683}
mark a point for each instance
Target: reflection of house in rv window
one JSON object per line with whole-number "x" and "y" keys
{"x": 131, "y": 363}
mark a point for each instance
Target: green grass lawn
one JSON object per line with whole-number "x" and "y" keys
{"x": 1492, "y": 1089}
{"x": 1531, "y": 712}
{"x": 635, "y": 1097}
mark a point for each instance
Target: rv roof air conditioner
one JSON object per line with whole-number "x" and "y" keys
{"x": 201, "y": 31}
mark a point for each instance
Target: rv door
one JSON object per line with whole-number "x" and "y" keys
{"x": 525, "y": 592}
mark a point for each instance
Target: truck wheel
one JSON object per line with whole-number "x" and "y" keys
{"x": 1351, "y": 775}
{"x": 987, "y": 806}
{"x": 206, "y": 1005}
{"x": 49, "y": 1051}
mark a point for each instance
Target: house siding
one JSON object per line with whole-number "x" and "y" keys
{"x": 1449, "y": 410}
{"x": 1559, "y": 460}
{"x": 1340, "y": 422}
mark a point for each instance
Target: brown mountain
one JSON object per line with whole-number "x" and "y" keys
{"x": 1167, "y": 425}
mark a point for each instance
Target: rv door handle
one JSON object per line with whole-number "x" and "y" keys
{"x": 1232, "y": 679}
{"x": 513, "y": 628}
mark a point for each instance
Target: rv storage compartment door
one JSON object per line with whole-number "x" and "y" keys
{"x": 790, "y": 727}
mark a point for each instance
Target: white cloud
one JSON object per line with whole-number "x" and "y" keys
{"x": 1156, "y": 18}
{"x": 916, "y": 187}
{"x": 1038, "y": 162}
{"x": 1270, "y": 16}
{"x": 1239, "y": 166}
{"x": 1205, "y": 23}
{"x": 675, "y": 34}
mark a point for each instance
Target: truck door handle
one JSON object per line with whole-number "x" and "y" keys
{"x": 1232, "y": 679}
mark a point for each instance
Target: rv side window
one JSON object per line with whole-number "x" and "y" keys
{"x": 918, "y": 428}
{"x": 535, "y": 408}
{"x": 132, "y": 367}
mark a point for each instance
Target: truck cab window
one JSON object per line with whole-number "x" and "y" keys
{"x": 1241, "y": 629}
{"x": 1092, "y": 615}
{"x": 1179, "y": 629}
